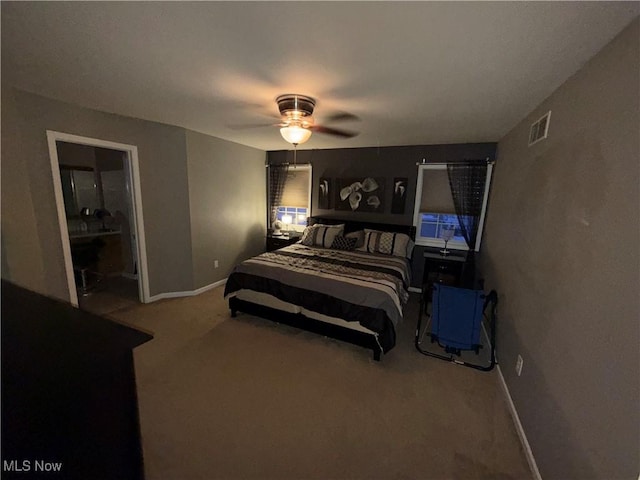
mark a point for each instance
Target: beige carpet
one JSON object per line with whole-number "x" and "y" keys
{"x": 244, "y": 398}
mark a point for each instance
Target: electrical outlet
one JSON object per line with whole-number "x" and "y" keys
{"x": 215, "y": 264}
{"x": 519, "y": 363}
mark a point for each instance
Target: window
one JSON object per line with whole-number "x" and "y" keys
{"x": 296, "y": 198}
{"x": 434, "y": 209}
{"x": 298, "y": 217}
{"x": 431, "y": 225}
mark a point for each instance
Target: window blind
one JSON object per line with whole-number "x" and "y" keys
{"x": 296, "y": 189}
{"x": 436, "y": 192}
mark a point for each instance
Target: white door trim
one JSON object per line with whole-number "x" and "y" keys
{"x": 138, "y": 222}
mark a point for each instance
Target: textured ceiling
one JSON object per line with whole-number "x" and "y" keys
{"x": 414, "y": 72}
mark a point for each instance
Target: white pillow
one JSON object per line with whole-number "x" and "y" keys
{"x": 387, "y": 243}
{"x": 319, "y": 235}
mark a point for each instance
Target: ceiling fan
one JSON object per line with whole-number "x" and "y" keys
{"x": 297, "y": 122}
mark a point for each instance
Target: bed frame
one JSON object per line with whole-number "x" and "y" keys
{"x": 303, "y": 322}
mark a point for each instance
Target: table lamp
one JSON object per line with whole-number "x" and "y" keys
{"x": 446, "y": 234}
{"x": 287, "y": 219}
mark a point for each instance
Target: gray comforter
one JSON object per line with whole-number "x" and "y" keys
{"x": 351, "y": 285}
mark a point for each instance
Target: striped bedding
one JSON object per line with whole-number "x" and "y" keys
{"x": 355, "y": 286}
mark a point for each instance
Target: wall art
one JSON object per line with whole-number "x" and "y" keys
{"x": 360, "y": 194}
{"x": 399, "y": 197}
{"x": 324, "y": 193}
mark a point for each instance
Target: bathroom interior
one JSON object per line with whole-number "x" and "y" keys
{"x": 98, "y": 209}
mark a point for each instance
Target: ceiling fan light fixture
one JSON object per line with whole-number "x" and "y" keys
{"x": 295, "y": 134}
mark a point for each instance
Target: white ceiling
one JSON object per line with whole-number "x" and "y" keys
{"x": 414, "y": 73}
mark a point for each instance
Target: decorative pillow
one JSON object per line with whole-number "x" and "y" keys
{"x": 321, "y": 235}
{"x": 359, "y": 236}
{"x": 307, "y": 236}
{"x": 410, "y": 246}
{"x": 343, "y": 243}
{"x": 387, "y": 243}
{"x": 339, "y": 226}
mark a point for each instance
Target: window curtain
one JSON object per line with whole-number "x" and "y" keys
{"x": 467, "y": 183}
{"x": 277, "y": 180}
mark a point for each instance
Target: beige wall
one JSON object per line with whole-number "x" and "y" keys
{"x": 203, "y": 199}
{"x": 22, "y": 259}
{"x": 227, "y": 197}
{"x": 561, "y": 247}
{"x": 32, "y": 249}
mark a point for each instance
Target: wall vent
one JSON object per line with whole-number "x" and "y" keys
{"x": 539, "y": 129}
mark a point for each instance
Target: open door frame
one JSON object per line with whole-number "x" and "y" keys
{"x": 133, "y": 173}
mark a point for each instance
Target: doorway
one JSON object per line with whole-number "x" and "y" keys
{"x": 97, "y": 191}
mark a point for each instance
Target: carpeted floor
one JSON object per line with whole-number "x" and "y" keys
{"x": 244, "y": 398}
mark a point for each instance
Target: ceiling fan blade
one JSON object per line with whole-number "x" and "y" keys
{"x": 333, "y": 131}
{"x": 342, "y": 117}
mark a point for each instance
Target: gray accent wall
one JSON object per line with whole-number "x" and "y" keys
{"x": 31, "y": 247}
{"x": 561, "y": 248}
{"x": 386, "y": 162}
{"x": 227, "y": 201}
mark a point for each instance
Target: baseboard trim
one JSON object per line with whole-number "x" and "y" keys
{"x": 190, "y": 293}
{"x": 523, "y": 437}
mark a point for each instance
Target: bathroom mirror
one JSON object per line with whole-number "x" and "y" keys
{"x": 79, "y": 189}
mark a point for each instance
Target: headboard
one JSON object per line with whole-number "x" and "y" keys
{"x": 355, "y": 225}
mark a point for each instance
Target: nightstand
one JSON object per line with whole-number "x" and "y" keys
{"x": 444, "y": 268}
{"x": 276, "y": 242}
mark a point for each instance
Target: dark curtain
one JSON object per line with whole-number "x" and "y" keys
{"x": 277, "y": 180}
{"x": 467, "y": 182}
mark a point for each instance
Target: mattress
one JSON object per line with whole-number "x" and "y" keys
{"x": 361, "y": 289}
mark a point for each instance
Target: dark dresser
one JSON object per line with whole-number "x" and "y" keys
{"x": 69, "y": 401}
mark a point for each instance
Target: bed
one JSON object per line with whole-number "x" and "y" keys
{"x": 351, "y": 294}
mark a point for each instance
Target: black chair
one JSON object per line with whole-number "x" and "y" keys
{"x": 85, "y": 257}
